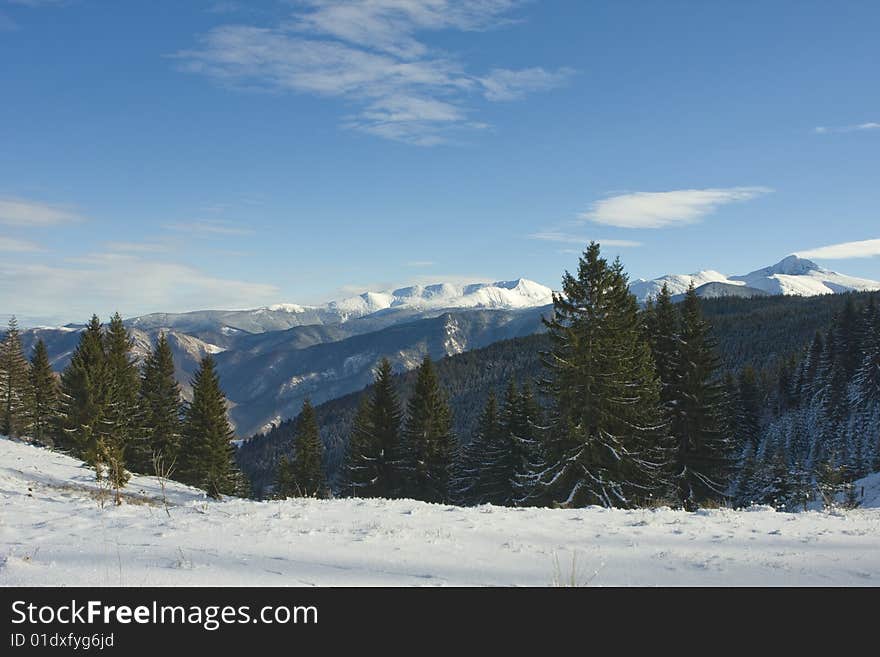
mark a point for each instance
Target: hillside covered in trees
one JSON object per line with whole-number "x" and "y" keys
{"x": 757, "y": 343}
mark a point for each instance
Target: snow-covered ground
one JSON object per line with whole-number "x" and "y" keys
{"x": 53, "y": 531}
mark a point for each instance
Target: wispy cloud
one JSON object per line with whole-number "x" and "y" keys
{"x": 660, "y": 209}
{"x": 209, "y": 227}
{"x": 504, "y": 84}
{"x": 567, "y": 238}
{"x": 12, "y": 245}
{"x": 844, "y": 250}
{"x": 859, "y": 127}
{"x": 102, "y": 283}
{"x": 367, "y": 54}
{"x": 25, "y": 213}
{"x": 138, "y": 247}
{"x": 420, "y": 263}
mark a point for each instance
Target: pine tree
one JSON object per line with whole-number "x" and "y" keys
{"x": 525, "y": 446}
{"x": 429, "y": 447}
{"x": 285, "y": 484}
{"x": 606, "y": 442}
{"x": 360, "y": 471}
{"x": 474, "y": 481}
{"x": 15, "y": 385}
{"x": 161, "y": 408}
{"x": 747, "y": 428}
{"x": 374, "y": 462}
{"x": 307, "y": 467}
{"x": 207, "y": 456}
{"x": 84, "y": 394}
{"x": 663, "y": 329}
{"x": 120, "y": 424}
{"x": 696, "y": 407}
{"x": 44, "y": 402}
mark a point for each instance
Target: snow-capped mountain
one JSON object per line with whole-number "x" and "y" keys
{"x": 504, "y": 295}
{"x": 792, "y": 275}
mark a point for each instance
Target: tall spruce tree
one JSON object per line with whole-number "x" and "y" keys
{"x": 121, "y": 421}
{"x": 15, "y": 385}
{"x": 663, "y": 328}
{"x": 207, "y": 456}
{"x": 84, "y": 394}
{"x": 747, "y": 428}
{"x": 44, "y": 402}
{"x": 161, "y": 410}
{"x": 307, "y": 469}
{"x": 696, "y": 406}
{"x": 473, "y": 480}
{"x": 607, "y": 440}
{"x": 429, "y": 446}
{"x": 374, "y": 461}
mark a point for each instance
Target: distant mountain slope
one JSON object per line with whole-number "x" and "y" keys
{"x": 266, "y": 386}
{"x": 790, "y": 276}
{"x": 508, "y": 295}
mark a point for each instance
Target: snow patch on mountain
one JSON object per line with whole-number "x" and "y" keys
{"x": 792, "y": 275}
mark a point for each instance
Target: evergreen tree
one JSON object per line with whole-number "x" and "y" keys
{"x": 525, "y": 446}
{"x": 15, "y": 385}
{"x": 285, "y": 484}
{"x": 84, "y": 394}
{"x": 374, "y": 461}
{"x": 120, "y": 425}
{"x": 307, "y": 469}
{"x": 606, "y": 443}
{"x": 207, "y": 456}
{"x": 44, "y": 402}
{"x": 161, "y": 408}
{"x": 429, "y": 447}
{"x": 747, "y": 427}
{"x": 696, "y": 407}
{"x": 663, "y": 329}
{"x": 474, "y": 482}
{"x": 360, "y": 471}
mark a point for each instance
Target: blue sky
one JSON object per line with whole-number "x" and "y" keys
{"x": 169, "y": 156}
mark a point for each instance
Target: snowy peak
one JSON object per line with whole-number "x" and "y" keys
{"x": 792, "y": 275}
{"x": 676, "y": 283}
{"x": 519, "y": 293}
{"x": 789, "y": 266}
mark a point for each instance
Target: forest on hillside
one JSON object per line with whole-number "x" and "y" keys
{"x": 767, "y": 334}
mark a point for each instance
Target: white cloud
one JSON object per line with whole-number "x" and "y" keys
{"x": 504, "y": 84}
{"x": 138, "y": 247}
{"x": 390, "y": 25}
{"x": 366, "y": 53}
{"x": 209, "y": 227}
{"x": 420, "y": 263}
{"x": 105, "y": 283}
{"x": 824, "y": 130}
{"x": 844, "y": 250}
{"x": 566, "y": 238}
{"x": 12, "y": 245}
{"x": 659, "y": 209}
{"x": 21, "y": 212}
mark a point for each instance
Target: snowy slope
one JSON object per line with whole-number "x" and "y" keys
{"x": 676, "y": 283}
{"x": 791, "y": 275}
{"x": 53, "y": 532}
{"x": 508, "y": 295}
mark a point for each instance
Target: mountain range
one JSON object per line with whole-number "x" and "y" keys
{"x": 792, "y": 275}
{"x": 270, "y": 359}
